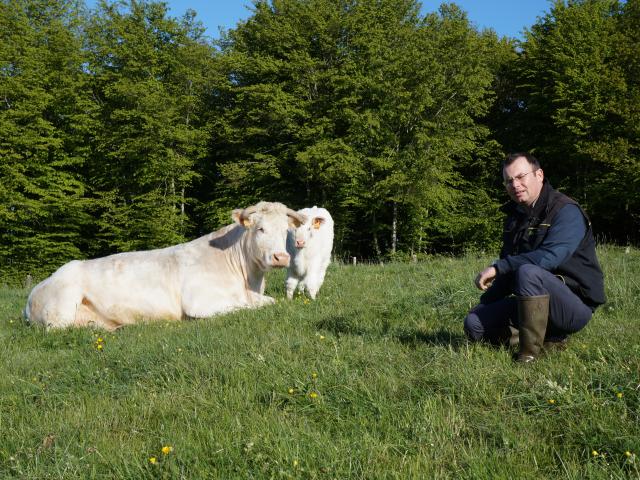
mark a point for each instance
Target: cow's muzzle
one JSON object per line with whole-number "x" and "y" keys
{"x": 299, "y": 243}
{"x": 280, "y": 259}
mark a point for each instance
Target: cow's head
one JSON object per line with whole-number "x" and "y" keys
{"x": 266, "y": 227}
{"x": 317, "y": 219}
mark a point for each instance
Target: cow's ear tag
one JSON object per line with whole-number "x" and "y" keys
{"x": 317, "y": 222}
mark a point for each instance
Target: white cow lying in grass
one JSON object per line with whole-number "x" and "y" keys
{"x": 215, "y": 273}
{"x": 310, "y": 248}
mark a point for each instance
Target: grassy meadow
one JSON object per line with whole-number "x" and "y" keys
{"x": 373, "y": 380}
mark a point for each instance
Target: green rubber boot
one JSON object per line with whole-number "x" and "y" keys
{"x": 507, "y": 337}
{"x": 533, "y": 315}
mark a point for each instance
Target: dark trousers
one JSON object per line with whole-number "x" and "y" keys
{"x": 499, "y": 309}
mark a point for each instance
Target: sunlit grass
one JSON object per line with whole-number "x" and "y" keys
{"x": 372, "y": 380}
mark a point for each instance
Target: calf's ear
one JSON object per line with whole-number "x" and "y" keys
{"x": 317, "y": 221}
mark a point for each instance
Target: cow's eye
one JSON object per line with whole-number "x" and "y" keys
{"x": 261, "y": 230}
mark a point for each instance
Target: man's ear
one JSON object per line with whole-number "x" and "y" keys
{"x": 317, "y": 221}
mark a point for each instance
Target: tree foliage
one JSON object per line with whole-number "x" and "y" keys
{"x": 45, "y": 121}
{"x": 148, "y": 75}
{"x": 125, "y": 128}
{"x": 364, "y": 107}
{"x": 575, "y": 85}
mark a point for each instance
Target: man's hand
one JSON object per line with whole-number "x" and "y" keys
{"x": 485, "y": 278}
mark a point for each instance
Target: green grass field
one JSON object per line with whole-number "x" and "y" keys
{"x": 373, "y": 380}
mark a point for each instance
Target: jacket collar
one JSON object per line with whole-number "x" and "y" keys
{"x": 539, "y": 208}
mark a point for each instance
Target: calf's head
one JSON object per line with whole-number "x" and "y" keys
{"x": 316, "y": 218}
{"x": 266, "y": 225}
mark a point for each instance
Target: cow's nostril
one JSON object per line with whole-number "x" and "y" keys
{"x": 280, "y": 259}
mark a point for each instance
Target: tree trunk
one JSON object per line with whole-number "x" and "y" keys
{"x": 394, "y": 228}
{"x": 173, "y": 193}
{"x": 376, "y": 245}
{"x": 182, "y": 204}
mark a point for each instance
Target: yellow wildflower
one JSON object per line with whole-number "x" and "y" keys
{"x": 153, "y": 460}
{"x": 313, "y": 395}
{"x": 321, "y": 337}
{"x": 314, "y": 375}
{"x": 594, "y": 453}
{"x": 619, "y": 394}
{"x": 167, "y": 449}
{"x": 628, "y": 453}
{"x": 291, "y": 390}
{"x": 552, "y": 401}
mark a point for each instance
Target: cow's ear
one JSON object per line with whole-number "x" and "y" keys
{"x": 317, "y": 221}
{"x": 237, "y": 217}
{"x": 296, "y": 219}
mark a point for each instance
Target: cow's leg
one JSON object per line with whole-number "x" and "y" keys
{"x": 312, "y": 284}
{"x": 314, "y": 281}
{"x": 258, "y": 300}
{"x": 291, "y": 284}
{"x": 312, "y": 292}
{"x": 88, "y": 316}
{"x": 208, "y": 305}
{"x": 201, "y": 298}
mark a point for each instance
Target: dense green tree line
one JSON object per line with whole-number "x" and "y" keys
{"x": 124, "y": 128}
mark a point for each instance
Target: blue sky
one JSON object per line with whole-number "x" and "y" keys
{"x": 506, "y": 17}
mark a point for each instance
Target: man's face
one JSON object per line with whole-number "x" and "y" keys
{"x": 522, "y": 182}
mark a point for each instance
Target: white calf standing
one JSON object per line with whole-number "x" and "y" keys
{"x": 309, "y": 246}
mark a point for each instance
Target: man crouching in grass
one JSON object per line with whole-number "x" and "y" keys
{"x": 547, "y": 282}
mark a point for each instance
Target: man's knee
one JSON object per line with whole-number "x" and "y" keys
{"x": 473, "y": 328}
{"x": 528, "y": 280}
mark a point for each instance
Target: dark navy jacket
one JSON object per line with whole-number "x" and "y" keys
{"x": 556, "y": 235}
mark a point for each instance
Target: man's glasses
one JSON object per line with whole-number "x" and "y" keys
{"x": 518, "y": 178}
